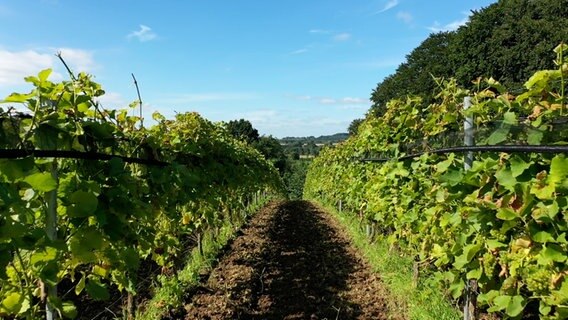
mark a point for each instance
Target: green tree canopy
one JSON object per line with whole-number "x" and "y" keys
{"x": 243, "y": 130}
{"x": 508, "y": 40}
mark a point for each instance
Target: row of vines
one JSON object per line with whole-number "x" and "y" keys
{"x": 86, "y": 225}
{"x": 502, "y": 223}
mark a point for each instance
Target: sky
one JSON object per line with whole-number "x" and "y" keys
{"x": 292, "y": 67}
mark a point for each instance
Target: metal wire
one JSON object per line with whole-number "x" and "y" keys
{"x": 501, "y": 148}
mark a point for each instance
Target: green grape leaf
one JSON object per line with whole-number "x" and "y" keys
{"x": 494, "y": 244}
{"x": 46, "y": 137}
{"x": 44, "y": 74}
{"x": 18, "y": 98}
{"x": 41, "y": 181}
{"x": 558, "y": 170}
{"x": 543, "y": 237}
{"x": 80, "y": 285}
{"x": 452, "y": 177}
{"x": 97, "y": 290}
{"x": 49, "y": 273}
{"x": 534, "y": 137}
{"x": 551, "y": 253}
{"x": 518, "y": 166}
{"x": 475, "y": 273}
{"x": 12, "y": 302}
{"x": 15, "y": 169}
{"x": 506, "y": 179}
{"x": 506, "y": 214}
{"x": 40, "y": 257}
{"x": 545, "y": 192}
{"x": 510, "y": 118}
{"x": 498, "y": 136}
{"x": 456, "y": 289}
{"x": 512, "y": 305}
{"x": 84, "y": 204}
{"x": 69, "y": 310}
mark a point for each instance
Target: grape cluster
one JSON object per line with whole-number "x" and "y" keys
{"x": 489, "y": 262}
{"x": 498, "y": 235}
{"x": 538, "y": 281}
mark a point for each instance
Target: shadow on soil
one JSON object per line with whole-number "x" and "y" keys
{"x": 307, "y": 264}
{"x": 288, "y": 264}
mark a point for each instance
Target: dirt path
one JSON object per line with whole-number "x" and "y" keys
{"x": 291, "y": 262}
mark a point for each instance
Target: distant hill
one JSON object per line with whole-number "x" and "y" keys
{"x": 308, "y": 147}
{"x": 338, "y": 137}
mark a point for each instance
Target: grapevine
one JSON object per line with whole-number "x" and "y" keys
{"x": 111, "y": 213}
{"x": 489, "y": 223}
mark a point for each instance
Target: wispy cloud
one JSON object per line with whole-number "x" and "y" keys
{"x": 389, "y": 5}
{"x": 334, "y": 101}
{"x": 144, "y": 34}
{"x": 188, "y": 98}
{"x": 112, "y": 100}
{"x": 15, "y": 65}
{"x": 454, "y": 25}
{"x": 299, "y": 51}
{"x": 319, "y": 31}
{"x": 79, "y": 60}
{"x": 405, "y": 17}
{"x": 344, "y": 36}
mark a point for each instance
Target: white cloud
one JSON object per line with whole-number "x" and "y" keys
{"x": 207, "y": 97}
{"x": 389, "y": 5}
{"x": 319, "y": 31}
{"x": 15, "y": 65}
{"x": 299, "y": 51}
{"x": 350, "y": 100}
{"x": 454, "y": 25}
{"x": 327, "y": 101}
{"x": 344, "y": 36}
{"x": 112, "y": 100}
{"x": 144, "y": 34}
{"x": 404, "y": 16}
{"x": 77, "y": 59}
{"x": 336, "y": 101}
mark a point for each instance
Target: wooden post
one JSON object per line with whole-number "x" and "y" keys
{"x": 340, "y": 206}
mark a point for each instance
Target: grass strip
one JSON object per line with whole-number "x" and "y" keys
{"x": 423, "y": 301}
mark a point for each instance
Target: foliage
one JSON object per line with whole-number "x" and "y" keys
{"x": 295, "y": 177}
{"x": 508, "y": 41}
{"x": 243, "y": 130}
{"x": 110, "y": 215}
{"x": 354, "y": 126}
{"x": 414, "y": 76}
{"x": 501, "y": 223}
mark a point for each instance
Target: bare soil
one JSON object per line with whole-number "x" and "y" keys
{"x": 292, "y": 261}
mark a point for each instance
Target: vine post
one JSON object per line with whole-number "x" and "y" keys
{"x": 51, "y": 231}
{"x": 470, "y": 303}
{"x": 468, "y": 134}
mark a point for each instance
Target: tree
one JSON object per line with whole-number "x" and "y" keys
{"x": 354, "y": 126}
{"x": 508, "y": 40}
{"x": 415, "y": 76}
{"x": 272, "y": 150}
{"x": 243, "y": 130}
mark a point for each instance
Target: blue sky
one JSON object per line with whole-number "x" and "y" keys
{"x": 292, "y": 67}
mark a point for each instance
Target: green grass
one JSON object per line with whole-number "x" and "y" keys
{"x": 421, "y": 301}
{"x": 170, "y": 293}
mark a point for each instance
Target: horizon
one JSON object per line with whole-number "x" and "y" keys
{"x": 292, "y": 69}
